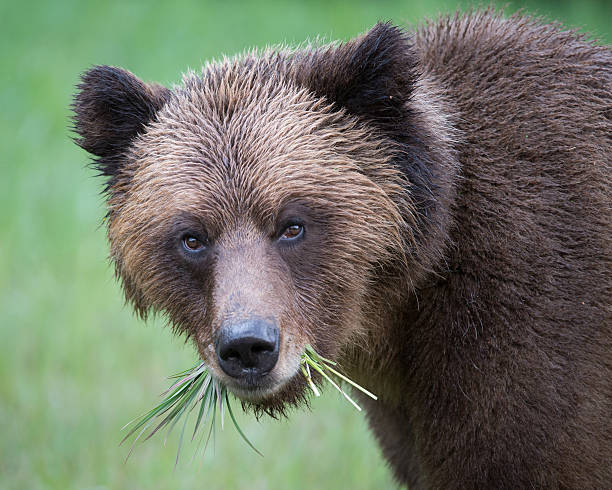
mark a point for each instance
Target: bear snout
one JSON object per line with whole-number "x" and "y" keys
{"x": 249, "y": 349}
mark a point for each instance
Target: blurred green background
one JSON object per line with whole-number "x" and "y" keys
{"x": 76, "y": 364}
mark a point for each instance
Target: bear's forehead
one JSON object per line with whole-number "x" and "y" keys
{"x": 236, "y": 133}
{"x": 235, "y": 115}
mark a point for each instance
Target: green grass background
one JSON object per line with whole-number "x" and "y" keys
{"x": 75, "y": 364}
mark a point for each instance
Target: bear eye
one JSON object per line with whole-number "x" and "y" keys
{"x": 292, "y": 232}
{"x": 192, "y": 243}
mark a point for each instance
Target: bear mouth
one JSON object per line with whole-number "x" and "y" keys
{"x": 266, "y": 396}
{"x": 254, "y": 387}
{"x": 257, "y": 388}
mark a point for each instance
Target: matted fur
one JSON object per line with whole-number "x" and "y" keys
{"x": 455, "y": 190}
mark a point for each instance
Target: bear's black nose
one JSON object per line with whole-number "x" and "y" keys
{"x": 249, "y": 348}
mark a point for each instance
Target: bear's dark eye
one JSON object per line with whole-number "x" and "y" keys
{"x": 192, "y": 243}
{"x": 292, "y": 232}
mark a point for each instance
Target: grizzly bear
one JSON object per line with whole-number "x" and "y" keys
{"x": 431, "y": 209}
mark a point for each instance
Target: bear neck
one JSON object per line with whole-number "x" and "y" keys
{"x": 401, "y": 292}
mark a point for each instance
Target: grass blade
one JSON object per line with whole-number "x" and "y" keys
{"x": 204, "y": 400}
{"x": 322, "y": 373}
{"x": 197, "y": 386}
{"x": 352, "y": 383}
{"x": 231, "y": 414}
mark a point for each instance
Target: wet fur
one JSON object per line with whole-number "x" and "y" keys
{"x": 456, "y": 188}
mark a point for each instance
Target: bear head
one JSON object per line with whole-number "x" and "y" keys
{"x": 260, "y": 204}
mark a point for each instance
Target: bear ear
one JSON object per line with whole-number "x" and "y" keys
{"x": 111, "y": 108}
{"x": 371, "y": 76}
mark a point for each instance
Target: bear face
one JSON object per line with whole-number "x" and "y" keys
{"x": 261, "y": 199}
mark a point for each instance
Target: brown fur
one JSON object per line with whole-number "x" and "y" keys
{"x": 455, "y": 191}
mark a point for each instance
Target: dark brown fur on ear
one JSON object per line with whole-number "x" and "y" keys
{"x": 372, "y": 76}
{"x": 111, "y": 108}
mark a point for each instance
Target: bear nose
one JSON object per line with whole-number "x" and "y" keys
{"x": 248, "y": 348}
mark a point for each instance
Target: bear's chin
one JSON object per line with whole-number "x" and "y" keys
{"x": 277, "y": 401}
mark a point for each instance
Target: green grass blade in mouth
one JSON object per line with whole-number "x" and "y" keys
{"x": 352, "y": 383}
{"x": 231, "y": 414}
{"x": 322, "y": 373}
{"x": 204, "y": 400}
{"x": 306, "y": 371}
{"x": 197, "y": 386}
{"x": 311, "y": 359}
